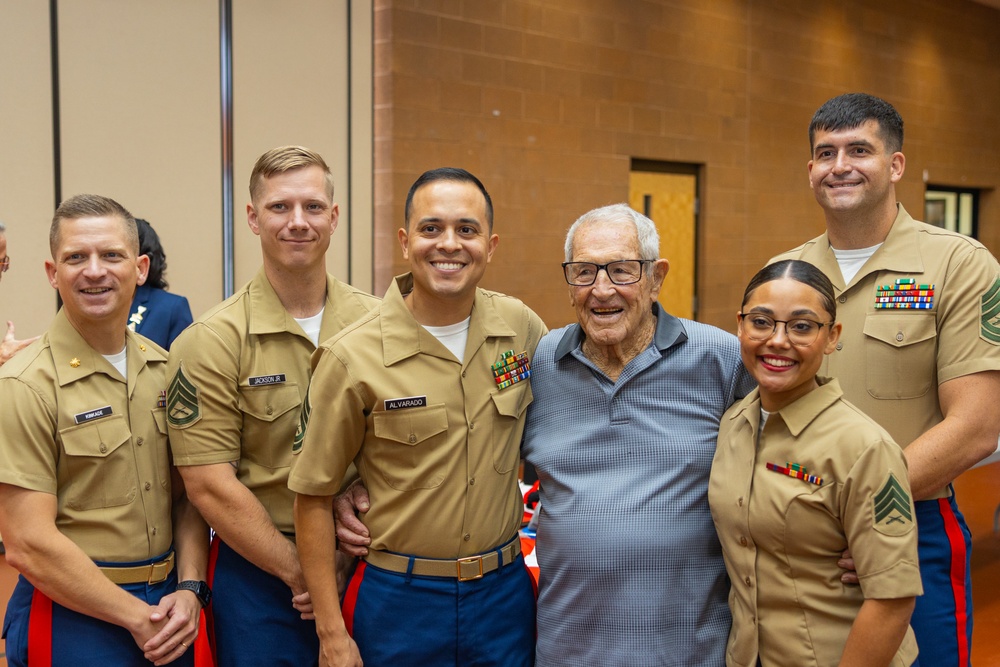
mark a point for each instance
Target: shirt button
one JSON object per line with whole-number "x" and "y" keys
{"x": 413, "y": 438}
{"x": 472, "y": 425}
{"x": 154, "y": 530}
{"x": 472, "y": 482}
{"x": 138, "y": 441}
{"x": 103, "y": 448}
{"x": 467, "y": 537}
{"x": 269, "y": 410}
{"x": 842, "y": 299}
{"x": 148, "y": 486}
{"x": 899, "y": 337}
{"x": 740, "y": 501}
{"x": 747, "y": 580}
{"x": 743, "y": 541}
{"x": 463, "y": 373}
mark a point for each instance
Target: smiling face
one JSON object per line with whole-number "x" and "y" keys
{"x": 294, "y": 216}
{"x": 614, "y": 316}
{"x": 786, "y": 372}
{"x": 96, "y": 268}
{"x": 853, "y": 171}
{"x": 448, "y": 245}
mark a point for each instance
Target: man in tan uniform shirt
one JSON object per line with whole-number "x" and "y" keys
{"x": 239, "y": 376}
{"x": 410, "y": 394}
{"x": 85, "y": 472}
{"x": 920, "y": 351}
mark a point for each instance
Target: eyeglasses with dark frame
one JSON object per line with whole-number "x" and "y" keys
{"x": 620, "y": 272}
{"x": 800, "y": 332}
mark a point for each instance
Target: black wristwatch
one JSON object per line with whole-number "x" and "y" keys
{"x": 199, "y": 588}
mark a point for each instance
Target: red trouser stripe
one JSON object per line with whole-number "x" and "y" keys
{"x": 956, "y": 540}
{"x": 40, "y": 630}
{"x": 213, "y": 557}
{"x": 351, "y": 597}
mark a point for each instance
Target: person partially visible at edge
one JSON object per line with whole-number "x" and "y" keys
{"x": 156, "y": 313}
{"x": 9, "y": 345}
{"x": 239, "y": 375}
{"x": 92, "y": 512}
{"x": 920, "y": 350}
{"x": 427, "y": 396}
{"x": 800, "y": 473}
{"x": 622, "y": 429}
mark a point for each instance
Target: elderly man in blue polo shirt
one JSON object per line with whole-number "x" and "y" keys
{"x": 622, "y": 432}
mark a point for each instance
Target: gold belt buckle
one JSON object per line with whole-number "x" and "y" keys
{"x": 471, "y": 559}
{"x": 158, "y": 571}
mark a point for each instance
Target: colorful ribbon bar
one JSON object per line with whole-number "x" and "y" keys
{"x": 796, "y": 470}
{"x": 904, "y": 294}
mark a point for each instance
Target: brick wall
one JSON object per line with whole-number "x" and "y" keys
{"x": 547, "y": 101}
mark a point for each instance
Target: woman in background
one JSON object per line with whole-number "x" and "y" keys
{"x": 156, "y": 313}
{"x": 799, "y": 476}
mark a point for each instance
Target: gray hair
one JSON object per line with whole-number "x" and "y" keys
{"x": 645, "y": 229}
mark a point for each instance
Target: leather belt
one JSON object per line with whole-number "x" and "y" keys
{"x": 463, "y": 569}
{"x": 152, "y": 573}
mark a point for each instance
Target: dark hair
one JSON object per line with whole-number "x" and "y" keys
{"x": 851, "y": 110}
{"x": 149, "y": 245}
{"x": 447, "y": 174}
{"x": 91, "y": 206}
{"x": 800, "y": 271}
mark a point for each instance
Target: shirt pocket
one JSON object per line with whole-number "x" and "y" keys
{"x": 411, "y": 446}
{"x": 510, "y": 404}
{"x": 99, "y": 468}
{"x": 900, "y": 354}
{"x": 270, "y": 417}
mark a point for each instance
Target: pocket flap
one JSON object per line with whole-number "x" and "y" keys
{"x": 97, "y": 438}
{"x": 513, "y": 401}
{"x": 269, "y": 402}
{"x": 411, "y": 426}
{"x": 901, "y": 329}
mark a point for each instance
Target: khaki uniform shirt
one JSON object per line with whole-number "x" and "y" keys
{"x": 890, "y": 361}
{"x": 435, "y": 440}
{"x": 73, "y": 427}
{"x": 781, "y": 535}
{"x": 239, "y": 376}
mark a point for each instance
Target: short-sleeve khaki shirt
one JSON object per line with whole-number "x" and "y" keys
{"x": 782, "y": 536}
{"x": 435, "y": 440}
{"x": 239, "y": 376}
{"x": 74, "y": 428}
{"x": 890, "y": 361}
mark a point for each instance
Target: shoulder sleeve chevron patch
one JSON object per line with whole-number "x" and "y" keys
{"x": 989, "y": 324}
{"x": 183, "y": 408}
{"x": 892, "y": 511}
{"x": 300, "y": 432}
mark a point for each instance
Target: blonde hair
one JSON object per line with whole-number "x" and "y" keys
{"x": 283, "y": 159}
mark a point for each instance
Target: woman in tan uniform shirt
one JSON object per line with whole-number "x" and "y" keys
{"x": 799, "y": 476}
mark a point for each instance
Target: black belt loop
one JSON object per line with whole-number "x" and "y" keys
{"x": 409, "y": 569}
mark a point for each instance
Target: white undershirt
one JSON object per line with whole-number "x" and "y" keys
{"x": 453, "y": 336}
{"x": 119, "y": 361}
{"x": 312, "y": 325}
{"x": 764, "y": 414}
{"x": 851, "y": 261}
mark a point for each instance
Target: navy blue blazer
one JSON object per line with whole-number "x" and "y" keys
{"x": 158, "y": 315}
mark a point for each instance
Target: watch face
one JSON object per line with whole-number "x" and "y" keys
{"x": 199, "y": 588}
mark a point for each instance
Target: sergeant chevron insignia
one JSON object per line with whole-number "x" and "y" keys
{"x": 300, "y": 432}
{"x": 183, "y": 408}
{"x": 989, "y": 322}
{"x": 891, "y": 509}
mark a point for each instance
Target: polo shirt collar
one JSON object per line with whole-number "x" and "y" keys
{"x": 669, "y": 332}
{"x": 404, "y": 337}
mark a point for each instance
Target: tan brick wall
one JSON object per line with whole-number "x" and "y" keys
{"x": 548, "y": 100}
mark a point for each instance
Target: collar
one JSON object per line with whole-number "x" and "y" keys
{"x": 404, "y": 337}
{"x": 267, "y": 315}
{"x": 75, "y": 359}
{"x": 899, "y": 252}
{"x": 669, "y": 332}
{"x": 798, "y": 415}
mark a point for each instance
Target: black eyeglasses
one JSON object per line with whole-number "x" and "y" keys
{"x": 621, "y": 272}
{"x": 800, "y": 332}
